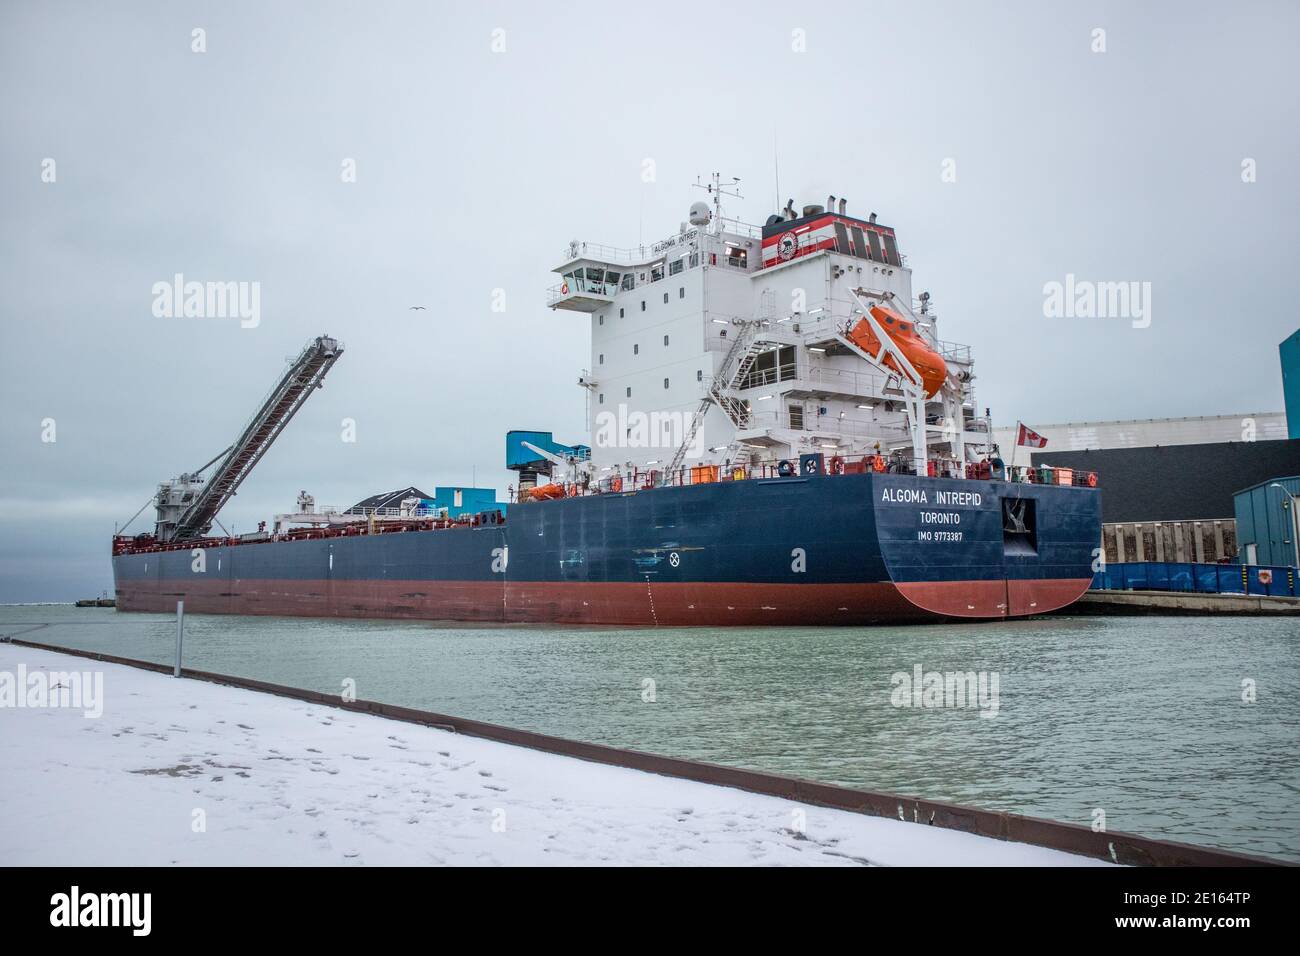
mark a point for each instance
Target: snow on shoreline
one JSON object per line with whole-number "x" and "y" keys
{"x": 279, "y": 781}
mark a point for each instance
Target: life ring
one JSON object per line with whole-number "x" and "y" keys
{"x": 878, "y": 463}
{"x": 836, "y": 465}
{"x": 1092, "y": 479}
{"x": 785, "y": 468}
{"x": 616, "y": 483}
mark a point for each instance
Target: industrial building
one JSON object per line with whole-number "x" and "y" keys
{"x": 1150, "y": 432}
{"x": 1175, "y": 502}
{"x": 1268, "y": 530}
{"x": 1289, "y": 354}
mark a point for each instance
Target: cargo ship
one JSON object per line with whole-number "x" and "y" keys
{"x": 779, "y": 436}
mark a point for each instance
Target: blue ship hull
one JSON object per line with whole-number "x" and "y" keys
{"x": 821, "y": 550}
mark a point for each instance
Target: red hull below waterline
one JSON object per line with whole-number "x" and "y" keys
{"x": 662, "y": 604}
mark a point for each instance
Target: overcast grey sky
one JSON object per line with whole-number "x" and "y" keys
{"x": 474, "y": 168}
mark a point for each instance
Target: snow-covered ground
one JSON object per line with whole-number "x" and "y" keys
{"x": 186, "y": 772}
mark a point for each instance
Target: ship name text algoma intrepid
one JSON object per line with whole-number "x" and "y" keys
{"x": 779, "y": 436}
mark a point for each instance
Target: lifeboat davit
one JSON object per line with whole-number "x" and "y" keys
{"x": 932, "y": 369}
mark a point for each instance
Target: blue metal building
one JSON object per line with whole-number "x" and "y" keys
{"x": 1289, "y": 352}
{"x": 459, "y": 501}
{"x": 1267, "y": 528}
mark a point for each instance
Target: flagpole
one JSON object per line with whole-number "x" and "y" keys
{"x": 1016, "y": 440}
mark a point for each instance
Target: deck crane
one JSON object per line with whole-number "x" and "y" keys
{"x": 188, "y": 504}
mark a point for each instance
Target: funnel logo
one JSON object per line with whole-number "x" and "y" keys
{"x": 787, "y": 246}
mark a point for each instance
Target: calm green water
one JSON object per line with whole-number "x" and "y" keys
{"x": 1141, "y": 717}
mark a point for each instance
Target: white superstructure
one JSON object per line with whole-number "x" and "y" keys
{"x": 726, "y": 344}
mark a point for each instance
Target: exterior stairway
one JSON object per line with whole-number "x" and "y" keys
{"x": 739, "y": 358}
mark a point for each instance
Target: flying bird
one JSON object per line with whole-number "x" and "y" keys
{"x": 419, "y": 307}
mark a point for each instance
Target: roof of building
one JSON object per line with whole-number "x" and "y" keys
{"x": 1268, "y": 481}
{"x": 390, "y": 499}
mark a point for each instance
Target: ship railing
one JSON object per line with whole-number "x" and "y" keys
{"x": 646, "y": 479}
{"x": 824, "y": 425}
{"x": 847, "y": 381}
{"x": 953, "y": 351}
{"x": 427, "y": 520}
{"x": 630, "y": 255}
{"x": 738, "y": 228}
{"x": 556, "y": 294}
{"x": 1049, "y": 475}
{"x": 396, "y": 512}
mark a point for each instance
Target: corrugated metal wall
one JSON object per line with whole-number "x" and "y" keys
{"x": 1266, "y": 520}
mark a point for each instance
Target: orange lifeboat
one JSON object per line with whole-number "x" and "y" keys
{"x": 903, "y": 334}
{"x": 544, "y": 492}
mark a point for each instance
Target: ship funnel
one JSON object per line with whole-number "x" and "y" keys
{"x": 788, "y": 212}
{"x": 813, "y": 210}
{"x": 873, "y": 218}
{"x": 843, "y": 202}
{"x": 830, "y": 203}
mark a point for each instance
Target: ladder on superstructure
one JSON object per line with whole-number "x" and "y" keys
{"x": 304, "y": 376}
{"x": 728, "y": 372}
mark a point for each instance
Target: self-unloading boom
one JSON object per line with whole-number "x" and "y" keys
{"x": 188, "y": 505}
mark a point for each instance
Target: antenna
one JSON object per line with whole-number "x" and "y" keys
{"x": 776, "y": 172}
{"x": 717, "y": 189}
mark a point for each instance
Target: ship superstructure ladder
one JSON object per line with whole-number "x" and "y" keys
{"x": 737, "y": 360}
{"x": 300, "y": 379}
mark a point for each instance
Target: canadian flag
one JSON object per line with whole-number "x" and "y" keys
{"x": 1027, "y": 436}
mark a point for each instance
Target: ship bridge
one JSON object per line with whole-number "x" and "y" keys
{"x": 594, "y": 274}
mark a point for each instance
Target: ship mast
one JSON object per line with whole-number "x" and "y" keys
{"x": 716, "y": 190}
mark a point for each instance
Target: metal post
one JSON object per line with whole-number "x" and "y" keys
{"x": 180, "y": 633}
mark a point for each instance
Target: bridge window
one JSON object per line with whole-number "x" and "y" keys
{"x": 629, "y": 280}
{"x": 675, "y": 267}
